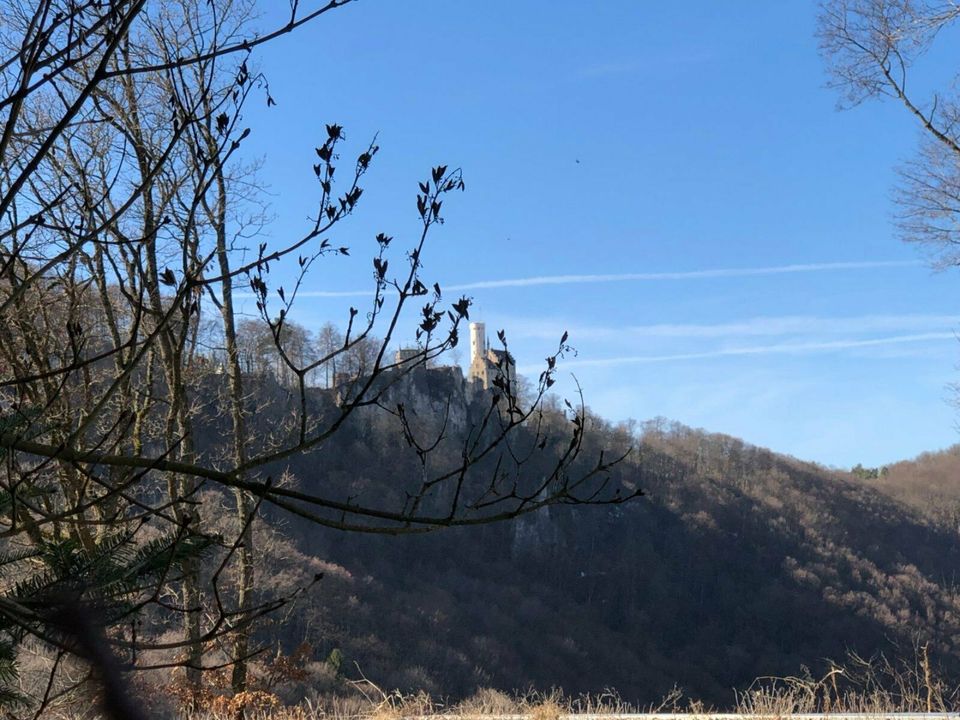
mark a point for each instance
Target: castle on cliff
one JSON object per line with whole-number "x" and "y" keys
{"x": 428, "y": 381}
{"x": 486, "y": 363}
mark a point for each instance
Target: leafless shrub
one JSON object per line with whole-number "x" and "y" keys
{"x": 875, "y": 686}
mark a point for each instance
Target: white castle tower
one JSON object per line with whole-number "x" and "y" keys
{"x": 486, "y": 363}
{"x": 478, "y": 341}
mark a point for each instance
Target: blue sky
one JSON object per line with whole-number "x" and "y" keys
{"x": 625, "y": 162}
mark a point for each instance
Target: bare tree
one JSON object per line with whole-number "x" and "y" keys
{"x": 872, "y": 49}
{"x": 329, "y": 339}
{"x": 124, "y": 211}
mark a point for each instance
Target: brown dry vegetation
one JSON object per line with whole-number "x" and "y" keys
{"x": 930, "y": 483}
{"x": 738, "y": 563}
{"x": 873, "y": 688}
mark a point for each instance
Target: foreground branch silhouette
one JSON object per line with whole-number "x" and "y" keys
{"x": 125, "y": 208}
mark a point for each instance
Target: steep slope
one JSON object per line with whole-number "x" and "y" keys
{"x": 737, "y": 563}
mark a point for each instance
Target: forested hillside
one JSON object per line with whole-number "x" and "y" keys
{"x": 736, "y": 563}
{"x": 929, "y": 483}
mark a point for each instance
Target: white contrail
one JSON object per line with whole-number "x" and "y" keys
{"x": 781, "y": 348}
{"x": 551, "y": 329}
{"x": 644, "y": 277}
{"x": 687, "y": 275}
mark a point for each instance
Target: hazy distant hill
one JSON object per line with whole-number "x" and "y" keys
{"x": 739, "y": 562}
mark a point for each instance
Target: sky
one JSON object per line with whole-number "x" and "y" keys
{"x": 670, "y": 183}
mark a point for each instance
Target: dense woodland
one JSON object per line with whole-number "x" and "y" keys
{"x": 147, "y": 414}
{"x": 736, "y": 563}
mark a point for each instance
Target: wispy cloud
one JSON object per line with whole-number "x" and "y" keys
{"x": 610, "y": 68}
{"x": 652, "y": 64}
{"x": 643, "y": 277}
{"x": 684, "y": 275}
{"x": 779, "y": 348}
{"x": 539, "y": 328}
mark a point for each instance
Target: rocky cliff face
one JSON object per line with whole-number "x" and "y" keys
{"x": 435, "y": 394}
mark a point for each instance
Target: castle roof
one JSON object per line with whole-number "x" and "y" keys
{"x": 503, "y": 354}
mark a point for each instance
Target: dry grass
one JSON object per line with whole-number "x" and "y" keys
{"x": 876, "y": 688}
{"x": 372, "y": 703}
{"x": 545, "y": 707}
{"x": 488, "y": 701}
{"x": 873, "y": 687}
